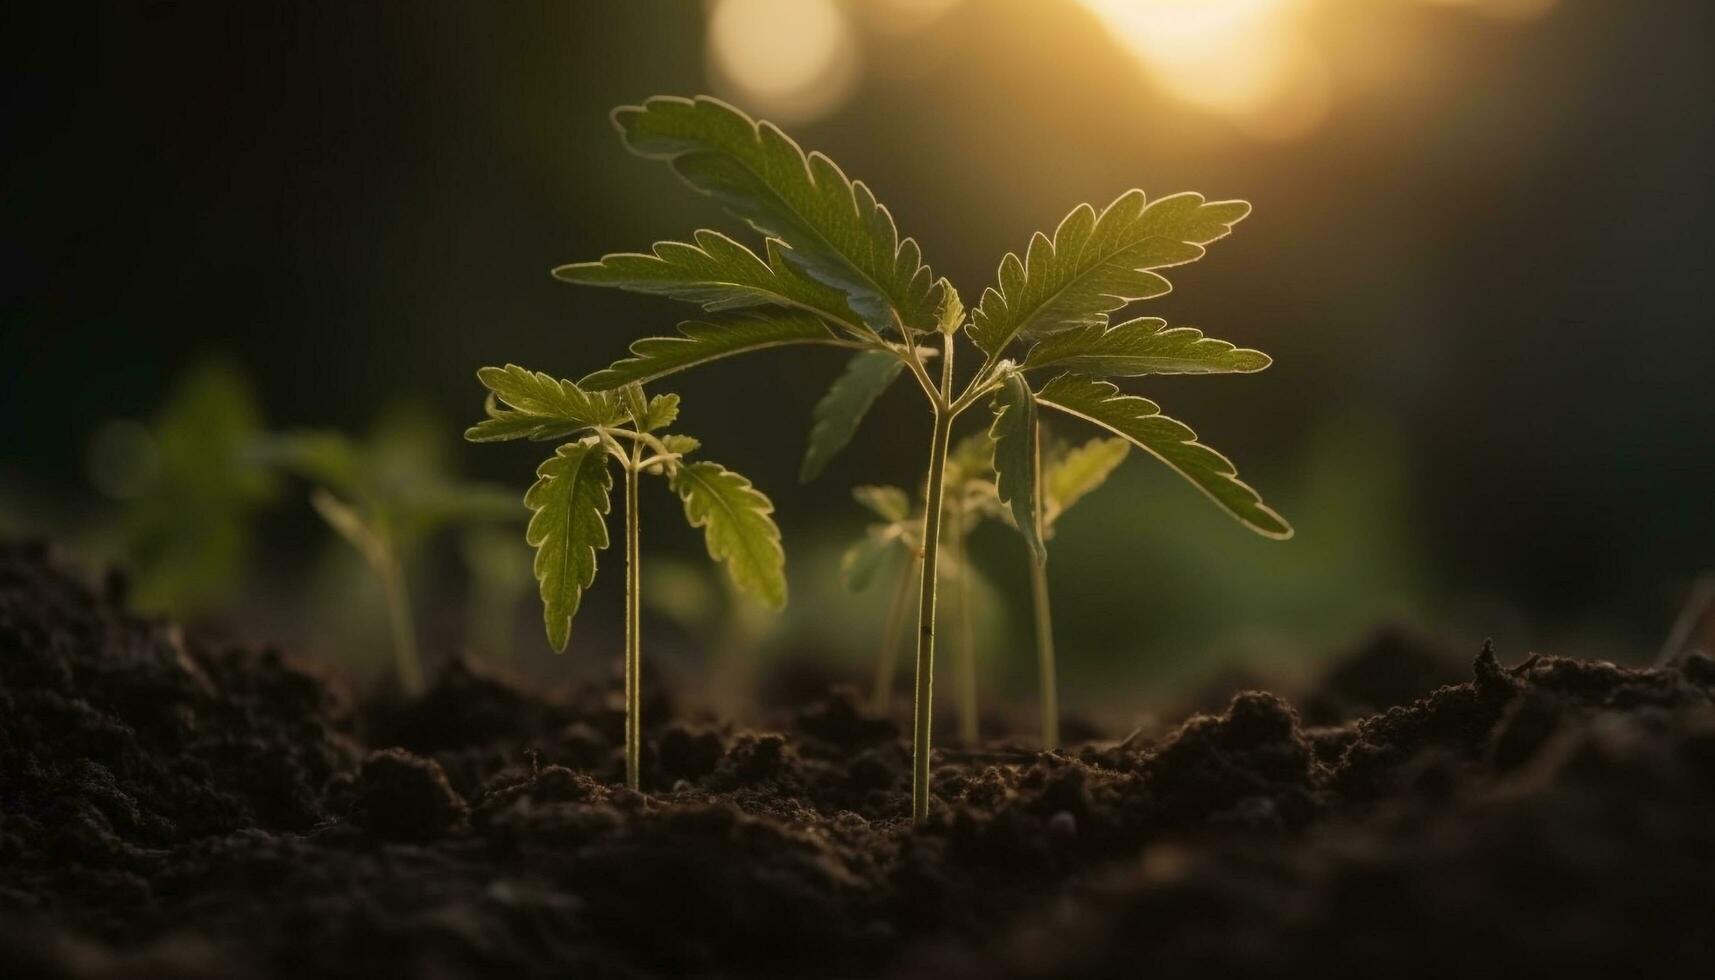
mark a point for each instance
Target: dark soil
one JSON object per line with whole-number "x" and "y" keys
{"x": 175, "y": 807}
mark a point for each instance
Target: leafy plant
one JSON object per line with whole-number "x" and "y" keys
{"x": 385, "y": 497}
{"x": 969, "y": 496}
{"x": 188, "y": 490}
{"x": 1067, "y": 476}
{"x": 834, "y": 271}
{"x": 569, "y": 502}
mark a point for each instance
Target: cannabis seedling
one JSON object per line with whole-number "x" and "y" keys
{"x": 969, "y": 497}
{"x": 385, "y": 498}
{"x": 1067, "y": 476}
{"x": 834, "y": 271}
{"x": 569, "y": 502}
{"x": 189, "y": 492}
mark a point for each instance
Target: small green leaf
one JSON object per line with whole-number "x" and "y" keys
{"x": 1139, "y": 347}
{"x": 1017, "y": 454}
{"x": 737, "y": 527}
{"x": 1096, "y": 264}
{"x": 840, "y": 412}
{"x": 702, "y": 341}
{"x": 662, "y": 411}
{"x": 681, "y": 445}
{"x": 539, "y": 394}
{"x": 889, "y": 503}
{"x": 838, "y": 234}
{"x": 636, "y": 406}
{"x": 950, "y": 315}
{"x": 1140, "y": 421}
{"x": 1067, "y": 479}
{"x": 861, "y": 562}
{"x": 569, "y": 502}
{"x": 716, "y": 272}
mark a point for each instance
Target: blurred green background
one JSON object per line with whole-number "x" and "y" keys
{"x": 1477, "y": 255}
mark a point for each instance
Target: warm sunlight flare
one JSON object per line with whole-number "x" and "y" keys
{"x": 1244, "y": 59}
{"x": 794, "y": 58}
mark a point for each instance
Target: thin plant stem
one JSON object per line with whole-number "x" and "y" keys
{"x": 882, "y": 699}
{"x": 633, "y": 623}
{"x": 965, "y": 643}
{"x": 924, "y": 688}
{"x": 405, "y": 659}
{"x": 1045, "y": 656}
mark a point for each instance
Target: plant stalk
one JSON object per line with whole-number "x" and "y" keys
{"x": 633, "y": 623}
{"x": 405, "y": 659}
{"x": 882, "y": 698}
{"x": 924, "y": 689}
{"x": 965, "y": 643}
{"x": 1045, "y": 656}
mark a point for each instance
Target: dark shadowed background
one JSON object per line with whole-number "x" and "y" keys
{"x": 1478, "y": 256}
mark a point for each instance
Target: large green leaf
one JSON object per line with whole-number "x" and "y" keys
{"x": 702, "y": 341}
{"x": 737, "y": 527}
{"x": 836, "y": 231}
{"x": 1096, "y": 264}
{"x": 840, "y": 412}
{"x": 1142, "y": 346}
{"x": 716, "y": 272}
{"x": 1067, "y": 478}
{"x": 1017, "y": 460}
{"x": 1140, "y": 421}
{"x": 569, "y": 504}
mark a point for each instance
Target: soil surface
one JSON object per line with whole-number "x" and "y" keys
{"x": 180, "y": 807}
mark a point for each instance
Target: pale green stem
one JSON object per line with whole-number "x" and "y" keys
{"x": 633, "y": 623}
{"x": 882, "y": 699}
{"x": 1045, "y": 656}
{"x": 966, "y": 643}
{"x": 405, "y": 658}
{"x": 924, "y": 688}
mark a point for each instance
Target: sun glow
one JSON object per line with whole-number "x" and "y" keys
{"x": 1265, "y": 65}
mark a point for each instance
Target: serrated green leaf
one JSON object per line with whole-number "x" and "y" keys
{"x": 950, "y": 314}
{"x": 839, "y": 412}
{"x": 504, "y": 426}
{"x": 737, "y": 527}
{"x": 1096, "y": 264}
{"x": 541, "y": 395}
{"x": 1066, "y": 479}
{"x": 702, "y": 341}
{"x": 836, "y": 231}
{"x": 636, "y": 406}
{"x": 569, "y": 503}
{"x": 663, "y": 410}
{"x": 861, "y": 562}
{"x": 889, "y": 503}
{"x": 1017, "y": 455}
{"x": 682, "y": 445}
{"x": 1142, "y": 346}
{"x": 716, "y": 272}
{"x": 1140, "y": 421}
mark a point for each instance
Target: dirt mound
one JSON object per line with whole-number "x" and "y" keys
{"x": 171, "y": 808}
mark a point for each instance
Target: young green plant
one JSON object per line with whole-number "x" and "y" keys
{"x": 969, "y": 497}
{"x": 833, "y": 271}
{"x": 386, "y": 497}
{"x": 1067, "y": 476}
{"x": 569, "y": 503}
